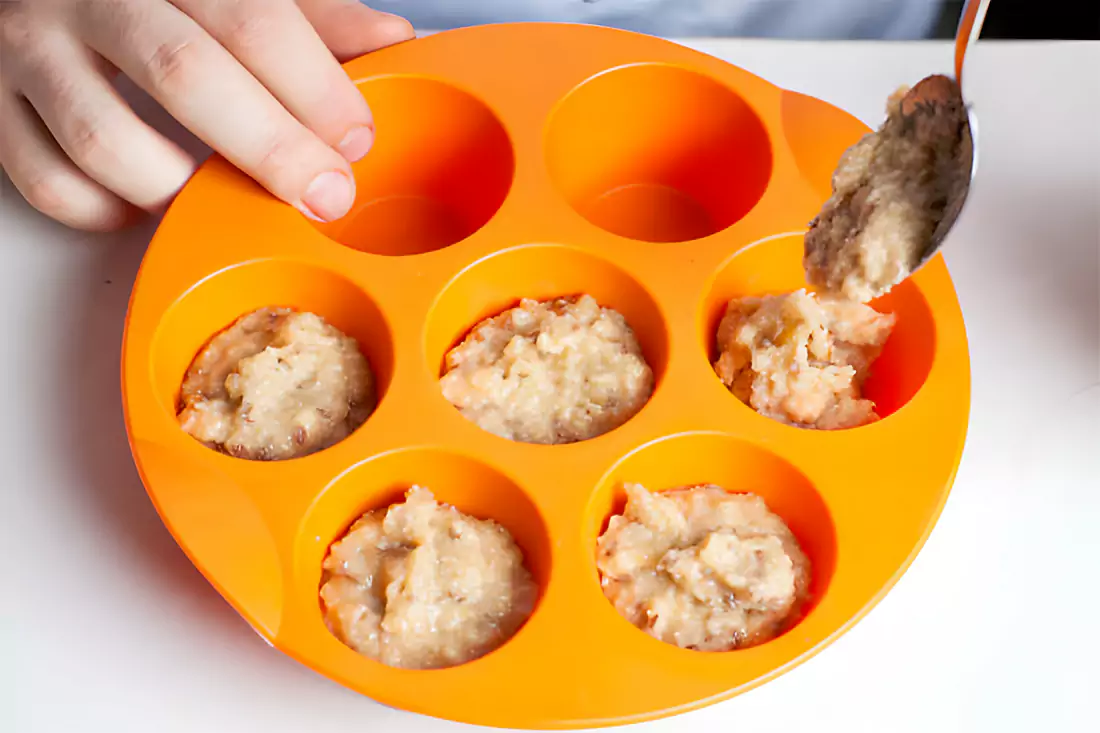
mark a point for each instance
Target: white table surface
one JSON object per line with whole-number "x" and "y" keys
{"x": 107, "y": 627}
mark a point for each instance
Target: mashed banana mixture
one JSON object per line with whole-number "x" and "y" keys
{"x": 702, "y": 568}
{"x": 420, "y": 585}
{"x": 891, "y": 191}
{"x": 802, "y": 359}
{"x": 558, "y": 371}
{"x": 276, "y": 384}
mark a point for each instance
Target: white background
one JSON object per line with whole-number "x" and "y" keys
{"x": 106, "y": 626}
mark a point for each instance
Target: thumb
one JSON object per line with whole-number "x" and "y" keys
{"x": 351, "y": 29}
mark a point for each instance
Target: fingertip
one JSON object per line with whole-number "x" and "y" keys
{"x": 329, "y": 196}
{"x": 111, "y": 214}
{"x": 129, "y": 216}
{"x": 393, "y": 29}
{"x": 351, "y": 29}
{"x": 108, "y": 215}
{"x": 357, "y": 143}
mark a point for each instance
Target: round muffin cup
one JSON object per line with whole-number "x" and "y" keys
{"x": 542, "y": 272}
{"x": 772, "y": 266}
{"x": 658, "y": 153}
{"x": 452, "y": 191}
{"x": 474, "y": 488}
{"x": 491, "y": 181}
{"x": 220, "y": 299}
{"x": 698, "y": 458}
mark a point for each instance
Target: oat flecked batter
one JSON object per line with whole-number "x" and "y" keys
{"x": 702, "y": 568}
{"x": 558, "y": 371}
{"x": 420, "y": 585}
{"x": 802, "y": 359}
{"x": 276, "y": 384}
{"x": 891, "y": 191}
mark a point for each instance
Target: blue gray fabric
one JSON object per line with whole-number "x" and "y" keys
{"x": 803, "y": 19}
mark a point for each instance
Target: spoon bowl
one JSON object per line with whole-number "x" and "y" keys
{"x": 970, "y": 27}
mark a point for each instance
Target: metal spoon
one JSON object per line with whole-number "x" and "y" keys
{"x": 970, "y": 27}
{"x": 899, "y": 191}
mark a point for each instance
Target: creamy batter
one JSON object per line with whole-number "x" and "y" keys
{"x": 891, "y": 190}
{"x": 420, "y": 585}
{"x": 276, "y": 384}
{"x": 557, "y": 371}
{"x": 802, "y": 359}
{"x": 702, "y": 568}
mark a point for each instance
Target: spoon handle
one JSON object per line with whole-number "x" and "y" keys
{"x": 970, "y": 27}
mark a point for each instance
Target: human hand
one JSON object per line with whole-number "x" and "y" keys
{"x": 259, "y": 81}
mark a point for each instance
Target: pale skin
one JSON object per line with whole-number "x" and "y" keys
{"x": 259, "y": 81}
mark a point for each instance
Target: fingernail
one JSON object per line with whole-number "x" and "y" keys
{"x": 329, "y": 196}
{"x": 356, "y": 143}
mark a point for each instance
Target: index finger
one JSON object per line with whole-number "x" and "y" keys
{"x": 204, "y": 87}
{"x": 274, "y": 40}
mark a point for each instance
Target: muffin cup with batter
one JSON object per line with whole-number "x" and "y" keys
{"x": 550, "y": 372}
{"x": 276, "y": 384}
{"x": 420, "y": 585}
{"x": 801, "y": 358}
{"x": 702, "y": 568}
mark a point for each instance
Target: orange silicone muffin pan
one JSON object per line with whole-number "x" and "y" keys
{"x": 540, "y": 160}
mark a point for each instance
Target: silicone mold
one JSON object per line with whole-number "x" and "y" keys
{"x": 540, "y": 160}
